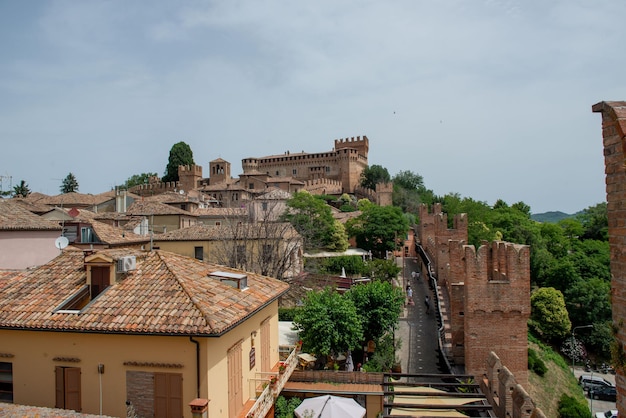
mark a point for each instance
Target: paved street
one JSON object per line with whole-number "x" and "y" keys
{"x": 417, "y": 330}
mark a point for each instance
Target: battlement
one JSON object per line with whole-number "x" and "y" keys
{"x": 498, "y": 261}
{"x": 323, "y": 186}
{"x": 361, "y": 144}
{"x": 186, "y": 169}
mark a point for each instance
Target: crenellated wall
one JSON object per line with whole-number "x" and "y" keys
{"x": 497, "y": 306}
{"x": 504, "y": 392}
{"x": 434, "y": 235}
{"x": 323, "y": 186}
{"x": 189, "y": 179}
{"x": 614, "y": 141}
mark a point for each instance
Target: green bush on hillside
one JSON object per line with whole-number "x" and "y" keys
{"x": 570, "y": 407}
{"x": 535, "y": 363}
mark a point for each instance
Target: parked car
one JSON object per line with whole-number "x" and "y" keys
{"x": 607, "y": 393}
{"x": 608, "y": 414}
{"x": 588, "y": 382}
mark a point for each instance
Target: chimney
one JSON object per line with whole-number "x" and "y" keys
{"x": 199, "y": 408}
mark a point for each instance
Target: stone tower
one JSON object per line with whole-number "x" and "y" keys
{"x": 189, "y": 177}
{"x": 497, "y": 307}
{"x": 614, "y": 139}
{"x": 219, "y": 171}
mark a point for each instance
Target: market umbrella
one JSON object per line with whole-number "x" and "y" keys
{"x": 329, "y": 406}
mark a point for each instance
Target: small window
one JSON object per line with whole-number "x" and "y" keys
{"x": 86, "y": 235}
{"x": 218, "y": 223}
{"x": 277, "y": 172}
{"x": 251, "y": 186}
{"x": 328, "y": 169}
{"x": 241, "y": 254}
{"x": 6, "y": 382}
{"x": 294, "y": 171}
{"x": 198, "y": 253}
{"x": 68, "y": 388}
{"x": 264, "y": 206}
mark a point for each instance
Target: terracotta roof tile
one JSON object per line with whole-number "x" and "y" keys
{"x": 202, "y": 232}
{"x": 147, "y": 208}
{"x": 70, "y": 199}
{"x": 166, "y": 294}
{"x": 14, "y": 216}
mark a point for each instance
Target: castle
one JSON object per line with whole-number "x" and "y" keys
{"x": 332, "y": 172}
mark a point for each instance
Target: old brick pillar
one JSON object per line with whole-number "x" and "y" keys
{"x": 614, "y": 141}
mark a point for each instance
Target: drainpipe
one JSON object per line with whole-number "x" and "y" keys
{"x": 197, "y": 343}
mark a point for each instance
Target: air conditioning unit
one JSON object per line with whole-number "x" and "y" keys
{"x": 127, "y": 263}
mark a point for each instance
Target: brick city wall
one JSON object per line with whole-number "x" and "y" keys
{"x": 614, "y": 141}
{"x": 497, "y": 306}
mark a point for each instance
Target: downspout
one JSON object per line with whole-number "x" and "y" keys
{"x": 197, "y": 343}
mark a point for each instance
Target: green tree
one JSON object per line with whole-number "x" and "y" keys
{"x": 70, "y": 184}
{"x": 408, "y": 180}
{"x": 138, "y": 179}
{"x": 328, "y": 323}
{"x": 373, "y": 175}
{"x": 406, "y": 191}
{"x": 378, "y": 306}
{"x": 588, "y": 301}
{"x": 21, "y": 190}
{"x": 313, "y": 219}
{"x": 595, "y": 221}
{"x": 379, "y": 229}
{"x": 180, "y": 154}
{"x": 549, "y": 317}
{"x": 381, "y": 269}
{"x": 338, "y": 238}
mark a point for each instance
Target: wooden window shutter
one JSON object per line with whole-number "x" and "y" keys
{"x": 72, "y": 388}
{"x": 160, "y": 395}
{"x": 59, "y": 388}
{"x": 176, "y": 395}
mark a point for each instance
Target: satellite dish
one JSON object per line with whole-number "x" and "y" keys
{"x": 61, "y": 242}
{"x": 181, "y": 191}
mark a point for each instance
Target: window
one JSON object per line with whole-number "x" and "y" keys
{"x": 86, "y": 234}
{"x": 218, "y": 223}
{"x": 67, "y": 388}
{"x": 100, "y": 279}
{"x": 198, "y": 253}
{"x": 328, "y": 169}
{"x": 251, "y": 186}
{"x": 294, "y": 171}
{"x": 264, "y": 206}
{"x": 267, "y": 251}
{"x": 168, "y": 395}
{"x": 6, "y": 382}
{"x": 241, "y": 254}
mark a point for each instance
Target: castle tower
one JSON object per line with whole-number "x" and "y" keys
{"x": 614, "y": 139}
{"x": 497, "y": 307}
{"x": 384, "y": 193}
{"x": 352, "y": 158}
{"x": 250, "y": 165}
{"x": 189, "y": 177}
{"x": 219, "y": 171}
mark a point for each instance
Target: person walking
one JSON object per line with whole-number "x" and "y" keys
{"x": 427, "y": 303}
{"x": 409, "y": 294}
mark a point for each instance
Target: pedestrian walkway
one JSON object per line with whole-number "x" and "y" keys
{"x": 417, "y": 329}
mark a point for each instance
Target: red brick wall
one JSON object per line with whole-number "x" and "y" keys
{"x": 497, "y": 307}
{"x": 614, "y": 139}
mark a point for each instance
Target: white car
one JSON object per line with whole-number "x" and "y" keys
{"x": 608, "y": 414}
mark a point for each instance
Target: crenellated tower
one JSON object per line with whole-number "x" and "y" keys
{"x": 352, "y": 157}
{"x": 189, "y": 176}
{"x": 497, "y": 307}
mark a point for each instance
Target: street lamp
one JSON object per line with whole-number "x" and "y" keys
{"x": 574, "y": 340}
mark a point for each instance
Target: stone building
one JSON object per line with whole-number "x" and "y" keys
{"x": 344, "y": 163}
{"x": 614, "y": 139}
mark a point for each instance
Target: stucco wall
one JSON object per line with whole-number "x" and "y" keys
{"x": 35, "y": 354}
{"x": 22, "y": 249}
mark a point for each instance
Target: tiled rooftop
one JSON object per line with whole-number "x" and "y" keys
{"x": 166, "y": 294}
{"x": 201, "y": 232}
{"x": 147, "y": 208}
{"x": 15, "y": 216}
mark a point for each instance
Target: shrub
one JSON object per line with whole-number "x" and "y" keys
{"x": 535, "y": 363}
{"x": 284, "y": 408}
{"x": 570, "y": 407}
{"x": 287, "y": 314}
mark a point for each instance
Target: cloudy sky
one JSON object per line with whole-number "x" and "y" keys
{"x": 490, "y": 99}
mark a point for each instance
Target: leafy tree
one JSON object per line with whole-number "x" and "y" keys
{"x": 285, "y": 408}
{"x": 180, "y": 154}
{"x": 379, "y": 228}
{"x": 588, "y": 301}
{"x": 373, "y": 175}
{"x": 313, "y": 219}
{"x": 549, "y": 317}
{"x": 378, "y": 306}
{"x": 595, "y": 221}
{"x": 328, "y": 323}
{"x": 338, "y": 238}
{"x": 570, "y": 407}
{"x": 138, "y": 179}
{"x": 70, "y": 184}
{"x": 21, "y": 190}
{"x": 408, "y": 180}
{"x": 381, "y": 269}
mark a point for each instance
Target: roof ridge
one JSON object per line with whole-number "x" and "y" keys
{"x": 210, "y": 323}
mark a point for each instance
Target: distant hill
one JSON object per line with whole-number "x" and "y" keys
{"x": 551, "y": 217}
